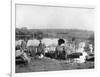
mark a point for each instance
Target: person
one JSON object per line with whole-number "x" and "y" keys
{"x": 22, "y": 54}
{"x": 23, "y": 45}
{"x": 40, "y": 50}
{"x": 91, "y": 48}
{"x": 60, "y": 52}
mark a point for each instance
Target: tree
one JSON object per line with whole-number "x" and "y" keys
{"x": 38, "y": 35}
{"x": 91, "y": 39}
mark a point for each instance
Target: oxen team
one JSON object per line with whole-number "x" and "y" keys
{"x": 57, "y": 48}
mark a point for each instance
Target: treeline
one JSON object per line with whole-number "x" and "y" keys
{"x": 23, "y": 33}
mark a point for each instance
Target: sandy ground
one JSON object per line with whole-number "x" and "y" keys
{"x": 46, "y": 64}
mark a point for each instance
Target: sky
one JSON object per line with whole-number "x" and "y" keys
{"x": 44, "y": 17}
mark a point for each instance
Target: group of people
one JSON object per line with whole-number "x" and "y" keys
{"x": 40, "y": 49}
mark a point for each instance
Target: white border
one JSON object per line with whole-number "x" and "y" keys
{"x": 69, "y": 72}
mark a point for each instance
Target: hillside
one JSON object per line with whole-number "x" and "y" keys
{"x": 65, "y": 33}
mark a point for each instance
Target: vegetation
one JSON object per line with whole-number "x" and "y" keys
{"x": 65, "y": 33}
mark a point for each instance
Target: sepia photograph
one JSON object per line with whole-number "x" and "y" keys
{"x": 53, "y": 38}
